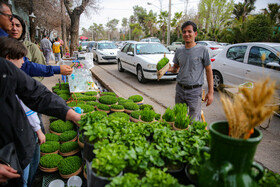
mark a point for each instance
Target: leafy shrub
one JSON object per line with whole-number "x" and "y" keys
{"x": 135, "y": 114}
{"x": 52, "y": 137}
{"x": 136, "y": 98}
{"x": 70, "y": 165}
{"x": 120, "y": 98}
{"x": 109, "y": 93}
{"x": 147, "y": 115}
{"x": 157, "y": 117}
{"x": 119, "y": 115}
{"x": 68, "y": 147}
{"x": 50, "y": 160}
{"x": 81, "y": 139}
{"x": 131, "y": 106}
{"x": 92, "y": 103}
{"x": 103, "y": 107}
{"x": 64, "y": 96}
{"x": 67, "y": 136}
{"x": 108, "y": 99}
{"x": 87, "y": 108}
{"x": 117, "y": 107}
{"x": 150, "y": 107}
{"x": 169, "y": 115}
{"x": 122, "y": 102}
{"x": 74, "y": 103}
{"x": 87, "y": 98}
{"x": 269, "y": 179}
{"x": 60, "y": 126}
{"x": 91, "y": 93}
{"x": 49, "y": 147}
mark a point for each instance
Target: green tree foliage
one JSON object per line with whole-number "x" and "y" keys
{"x": 162, "y": 21}
{"x": 242, "y": 10}
{"x": 176, "y": 22}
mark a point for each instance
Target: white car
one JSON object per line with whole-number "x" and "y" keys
{"x": 104, "y": 52}
{"x": 246, "y": 62}
{"x": 84, "y": 45}
{"x": 141, "y": 59}
{"x": 214, "y": 48}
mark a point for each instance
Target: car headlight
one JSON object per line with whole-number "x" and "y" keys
{"x": 151, "y": 66}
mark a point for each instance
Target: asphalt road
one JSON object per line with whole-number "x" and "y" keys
{"x": 161, "y": 94}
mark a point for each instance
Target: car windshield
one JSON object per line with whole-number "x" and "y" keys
{"x": 155, "y": 40}
{"x": 107, "y": 46}
{"x": 277, "y": 48}
{"x": 84, "y": 43}
{"x": 151, "y": 48}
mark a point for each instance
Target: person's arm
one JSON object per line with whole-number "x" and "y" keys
{"x": 41, "y": 136}
{"x": 6, "y": 173}
{"x": 174, "y": 68}
{"x": 209, "y": 76}
{"x": 34, "y": 69}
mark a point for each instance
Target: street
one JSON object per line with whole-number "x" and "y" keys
{"x": 161, "y": 94}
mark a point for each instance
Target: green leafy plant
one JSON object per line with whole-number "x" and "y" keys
{"x": 64, "y": 96}
{"x": 67, "y": 135}
{"x": 64, "y": 86}
{"x": 60, "y": 126}
{"x": 92, "y": 103}
{"x": 120, "y": 98}
{"x": 63, "y": 92}
{"x": 269, "y": 179}
{"x": 135, "y": 114}
{"x": 108, "y": 99}
{"x": 74, "y": 103}
{"x": 50, "y": 160}
{"x": 103, "y": 107}
{"x": 122, "y": 102}
{"x": 157, "y": 116}
{"x": 147, "y": 115}
{"x": 55, "y": 87}
{"x": 169, "y": 115}
{"x": 86, "y": 98}
{"x": 52, "y": 137}
{"x": 136, "y": 98}
{"x": 68, "y": 147}
{"x": 76, "y": 95}
{"x": 162, "y": 63}
{"x": 131, "y": 106}
{"x": 108, "y": 93}
{"x": 119, "y": 115}
{"x": 109, "y": 160}
{"x": 182, "y": 121}
{"x": 91, "y": 118}
{"x": 180, "y": 108}
{"x": 98, "y": 130}
{"x": 91, "y": 93}
{"x": 127, "y": 180}
{"x": 70, "y": 165}
{"x": 49, "y": 147}
{"x": 81, "y": 139}
{"x": 87, "y": 108}
{"x": 56, "y": 90}
{"x": 150, "y": 107}
{"x": 117, "y": 107}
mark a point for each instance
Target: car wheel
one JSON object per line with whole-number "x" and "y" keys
{"x": 217, "y": 79}
{"x": 120, "y": 68}
{"x": 140, "y": 75}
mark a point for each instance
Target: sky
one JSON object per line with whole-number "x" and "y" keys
{"x": 118, "y": 9}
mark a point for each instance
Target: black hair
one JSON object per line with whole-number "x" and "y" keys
{"x": 22, "y": 36}
{"x": 187, "y": 23}
{"x": 12, "y": 48}
{"x": 4, "y": 3}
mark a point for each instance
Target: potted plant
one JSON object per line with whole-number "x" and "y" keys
{"x": 119, "y": 115}
{"x": 169, "y": 116}
{"x": 67, "y": 136}
{"x": 103, "y": 107}
{"x": 69, "y": 148}
{"x": 81, "y": 141}
{"x": 70, "y": 166}
{"x": 57, "y": 127}
{"x": 63, "y": 92}
{"x": 52, "y": 137}
{"x": 75, "y": 103}
{"x": 49, "y": 163}
{"x": 108, "y": 163}
{"x": 108, "y": 100}
{"x": 147, "y": 115}
{"x": 128, "y": 179}
{"x": 49, "y": 147}
{"x": 85, "y": 171}
{"x": 65, "y": 97}
{"x": 108, "y": 93}
{"x": 157, "y": 116}
{"x": 123, "y": 101}
{"x": 143, "y": 106}
{"x": 87, "y": 108}
{"x": 117, "y": 108}
{"x": 86, "y": 98}
{"x": 92, "y": 103}
{"x": 182, "y": 121}
{"x": 91, "y": 93}
{"x": 138, "y": 99}
{"x": 129, "y": 107}
{"x": 135, "y": 115}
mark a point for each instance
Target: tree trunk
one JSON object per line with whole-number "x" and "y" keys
{"x": 74, "y": 31}
{"x": 63, "y": 26}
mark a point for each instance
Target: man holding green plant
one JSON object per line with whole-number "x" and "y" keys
{"x": 191, "y": 61}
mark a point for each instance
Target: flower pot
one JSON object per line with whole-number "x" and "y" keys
{"x": 69, "y": 153}
{"x": 140, "y": 102}
{"x": 231, "y": 162}
{"x": 128, "y": 111}
{"x": 81, "y": 144}
{"x": 72, "y": 174}
{"x": 134, "y": 119}
{"x": 97, "y": 181}
{"x": 178, "y": 129}
{"x": 107, "y": 111}
{"x": 178, "y": 173}
{"x": 117, "y": 110}
{"x": 88, "y": 150}
{"x": 191, "y": 179}
{"x": 47, "y": 170}
{"x": 42, "y": 154}
{"x": 73, "y": 140}
{"x": 53, "y": 132}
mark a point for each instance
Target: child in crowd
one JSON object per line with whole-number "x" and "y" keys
{"x": 14, "y": 51}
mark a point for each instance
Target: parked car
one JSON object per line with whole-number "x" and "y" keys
{"x": 150, "y": 39}
{"x": 89, "y": 46}
{"x": 174, "y": 46}
{"x": 247, "y": 62}
{"x": 104, "y": 52}
{"x": 141, "y": 58}
{"x": 214, "y": 48}
{"x": 84, "y": 45}
{"x": 224, "y": 44}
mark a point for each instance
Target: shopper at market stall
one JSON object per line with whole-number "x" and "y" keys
{"x": 190, "y": 61}
{"x": 14, "y": 126}
{"x": 56, "y": 50}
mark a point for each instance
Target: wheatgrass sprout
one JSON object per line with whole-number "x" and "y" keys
{"x": 249, "y": 108}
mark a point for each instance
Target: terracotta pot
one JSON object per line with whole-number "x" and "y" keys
{"x": 178, "y": 129}
{"x": 140, "y": 103}
{"x": 134, "y": 120}
{"x": 73, "y": 140}
{"x": 103, "y": 110}
{"x": 116, "y": 110}
{"x": 69, "y": 153}
{"x": 73, "y": 174}
{"x": 47, "y": 170}
{"x": 128, "y": 111}
{"x": 42, "y": 154}
{"x": 53, "y": 132}
{"x": 81, "y": 144}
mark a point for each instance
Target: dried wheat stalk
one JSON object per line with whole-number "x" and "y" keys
{"x": 249, "y": 108}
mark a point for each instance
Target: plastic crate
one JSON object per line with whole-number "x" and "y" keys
{"x": 48, "y": 178}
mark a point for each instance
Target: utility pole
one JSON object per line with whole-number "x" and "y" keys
{"x": 129, "y": 30}
{"x": 168, "y": 27}
{"x": 108, "y": 30}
